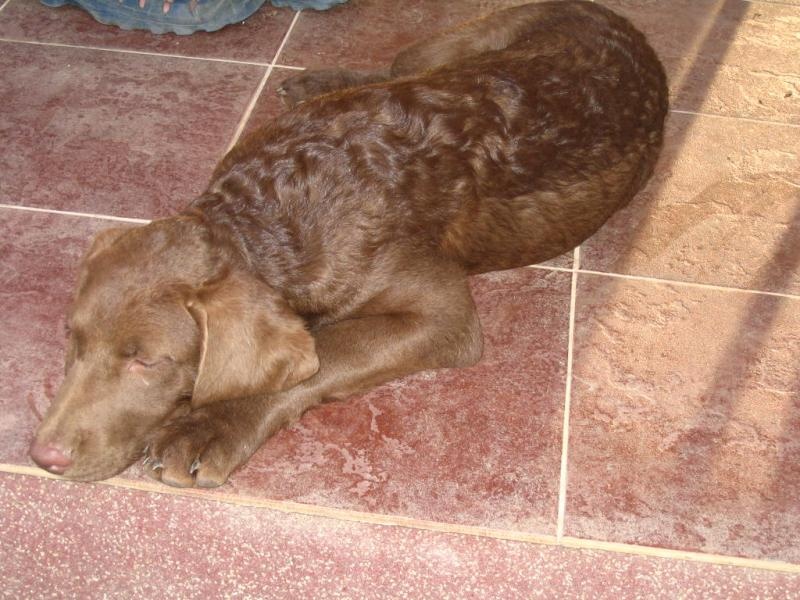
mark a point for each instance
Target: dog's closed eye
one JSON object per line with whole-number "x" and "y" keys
{"x": 140, "y": 363}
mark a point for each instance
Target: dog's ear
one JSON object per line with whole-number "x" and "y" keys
{"x": 103, "y": 240}
{"x": 252, "y": 341}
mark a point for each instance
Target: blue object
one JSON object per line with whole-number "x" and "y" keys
{"x": 184, "y": 16}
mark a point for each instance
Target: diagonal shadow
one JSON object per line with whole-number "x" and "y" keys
{"x": 725, "y": 391}
{"x": 726, "y": 385}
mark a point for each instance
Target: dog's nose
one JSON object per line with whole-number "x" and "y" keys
{"x": 50, "y": 457}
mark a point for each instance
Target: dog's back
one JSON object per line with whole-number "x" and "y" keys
{"x": 524, "y": 132}
{"x": 564, "y": 105}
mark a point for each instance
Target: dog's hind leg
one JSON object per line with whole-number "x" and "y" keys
{"x": 494, "y": 32}
{"x": 309, "y": 84}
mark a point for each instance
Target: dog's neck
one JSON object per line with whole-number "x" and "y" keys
{"x": 261, "y": 243}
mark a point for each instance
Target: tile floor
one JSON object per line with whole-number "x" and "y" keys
{"x": 634, "y": 428}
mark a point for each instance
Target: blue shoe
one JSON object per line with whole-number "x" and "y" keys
{"x": 184, "y": 16}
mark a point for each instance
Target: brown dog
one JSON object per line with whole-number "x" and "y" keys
{"x": 331, "y": 249}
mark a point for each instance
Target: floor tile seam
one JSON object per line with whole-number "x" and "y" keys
{"x": 772, "y": 2}
{"x": 386, "y": 520}
{"x": 563, "y": 467}
{"x": 261, "y": 84}
{"x": 679, "y": 111}
{"x": 252, "y": 63}
{"x": 723, "y": 560}
{"x": 276, "y": 65}
{"x": 292, "y": 67}
{"x": 646, "y": 278}
{"x": 675, "y": 282}
{"x": 70, "y": 213}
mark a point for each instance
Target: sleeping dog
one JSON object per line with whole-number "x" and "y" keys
{"x": 331, "y": 250}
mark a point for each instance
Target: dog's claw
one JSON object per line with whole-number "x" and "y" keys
{"x": 195, "y": 466}
{"x": 146, "y": 460}
{"x": 156, "y": 465}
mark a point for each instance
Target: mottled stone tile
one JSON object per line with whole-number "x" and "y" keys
{"x": 685, "y": 419}
{"x": 723, "y": 208}
{"x": 54, "y": 545}
{"x": 256, "y": 39}
{"x": 40, "y": 253}
{"x": 363, "y": 34}
{"x": 718, "y": 30}
{"x": 122, "y": 134}
{"x": 480, "y": 445}
{"x": 725, "y": 56}
{"x": 733, "y": 90}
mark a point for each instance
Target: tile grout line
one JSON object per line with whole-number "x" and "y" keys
{"x": 274, "y": 65}
{"x": 292, "y": 67}
{"x": 261, "y": 84}
{"x": 780, "y": 2}
{"x": 678, "y": 111}
{"x": 386, "y": 520}
{"x": 153, "y": 54}
{"x": 552, "y": 268}
{"x": 562, "y": 478}
{"x": 70, "y": 213}
{"x": 645, "y": 278}
{"x": 671, "y": 554}
{"x": 706, "y": 286}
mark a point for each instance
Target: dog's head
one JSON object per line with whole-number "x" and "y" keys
{"x": 161, "y": 323}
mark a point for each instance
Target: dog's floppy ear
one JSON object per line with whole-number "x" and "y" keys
{"x": 252, "y": 340}
{"x": 103, "y": 240}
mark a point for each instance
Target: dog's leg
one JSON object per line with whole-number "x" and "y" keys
{"x": 298, "y": 88}
{"x": 437, "y": 329}
{"x": 493, "y": 32}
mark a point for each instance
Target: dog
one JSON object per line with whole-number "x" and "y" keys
{"x": 331, "y": 250}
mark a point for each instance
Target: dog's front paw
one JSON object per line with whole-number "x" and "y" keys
{"x": 196, "y": 449}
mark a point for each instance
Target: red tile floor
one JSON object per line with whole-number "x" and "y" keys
{"x": 632, "y": 431}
